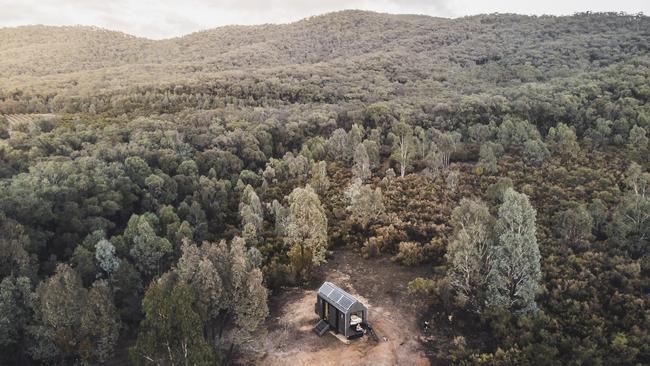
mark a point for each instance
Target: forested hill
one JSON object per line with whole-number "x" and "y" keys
{"x": 493, "y": 170}
{"x": 388, "y": 51}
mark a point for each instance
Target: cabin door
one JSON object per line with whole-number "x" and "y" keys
{"x": 332, "y": 316}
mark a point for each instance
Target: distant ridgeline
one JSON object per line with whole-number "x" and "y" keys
{"x": 343, "y": 57}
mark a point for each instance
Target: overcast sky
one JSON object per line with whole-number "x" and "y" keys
{"x": 166, "y": 18}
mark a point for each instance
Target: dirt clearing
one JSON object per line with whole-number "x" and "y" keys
{"x": 381, "y": 285}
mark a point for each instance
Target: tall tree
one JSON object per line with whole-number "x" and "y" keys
{"x": 402, "y": 135}
{"x": 630, "y": 224}
{"x": 361, "y": 168}
{"x": 16, "y": 313}
{"x": 366, "y": 205}
{"x": 318, "y": 177}
{"x": 470, "y": 253}
{"x": 250, "y": 211}
{"x": 562, "y": 141}
{"x": 62, "y": 300}
{"x": 535, "y": 152}
{"x": 638, "y": 142}
{"x": 337, "y": 146}
{"x": 446, "y": 144}
{"x": 231, "y": 287}
{"x": 306, "y": 231}
{"x": 147, "y": 248}
{"x": 99, "y": 328}
{"x": 14, "y": 242}
{"x": 515, "y": 256}
{"x": 487, "y": 159}
{"x": 172, "y": 329}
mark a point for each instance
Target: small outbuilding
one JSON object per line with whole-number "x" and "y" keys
{"x": 340, "y": 312}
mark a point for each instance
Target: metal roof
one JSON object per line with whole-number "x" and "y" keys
{"x": 336, "y": 296}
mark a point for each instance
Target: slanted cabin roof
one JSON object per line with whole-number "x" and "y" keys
{"x": 339, "y": 298}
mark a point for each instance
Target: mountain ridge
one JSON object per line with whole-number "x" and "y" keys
{"x": 394, "y": 49}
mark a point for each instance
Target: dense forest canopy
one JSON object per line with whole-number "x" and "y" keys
{"x": 155, "y": 194}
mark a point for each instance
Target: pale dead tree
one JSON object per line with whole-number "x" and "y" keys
{"x": 402, "y": 135}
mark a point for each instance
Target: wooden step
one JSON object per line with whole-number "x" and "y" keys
{"x": 321, "y": 327}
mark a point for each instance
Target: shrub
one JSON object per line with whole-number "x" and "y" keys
{"x": 409, "y": 253}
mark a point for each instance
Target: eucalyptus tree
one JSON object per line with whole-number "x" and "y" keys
{"x": 365, "y": 204}
{"x": 306, "y": 231}
{"x": 630, "y": 225}
{"x": 515, "y": 256}
{"x": 318, "y": 177}
{"x": 250, "y": 212}
{"x": 361, "y": 167}
{"x": 403, "y": 144}
{"x": 562, "y": 141}
{"x": 470, "y": 253}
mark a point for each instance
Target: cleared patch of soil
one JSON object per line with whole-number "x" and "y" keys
{"x": 381, "y": 285}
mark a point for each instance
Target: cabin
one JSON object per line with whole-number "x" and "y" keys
{"x": 339, "y": 312}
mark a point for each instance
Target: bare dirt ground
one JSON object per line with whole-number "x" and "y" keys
{"x": 381, "y": 285}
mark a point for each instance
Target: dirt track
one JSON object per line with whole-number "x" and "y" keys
{"x": 381, "y": 285}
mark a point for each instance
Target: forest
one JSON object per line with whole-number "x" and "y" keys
{"x": 155, "y": 196}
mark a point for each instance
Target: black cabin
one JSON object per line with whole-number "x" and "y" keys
{"x": 339, "y": 311}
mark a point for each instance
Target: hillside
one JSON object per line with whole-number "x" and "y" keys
{"x": 77, "y": 62}
{"x": 481, "y": 184}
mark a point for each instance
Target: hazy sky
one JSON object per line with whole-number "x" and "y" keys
{"x": 167, "y": 18}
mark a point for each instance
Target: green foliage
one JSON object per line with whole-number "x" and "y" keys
{"x": 105, "y": 256}
{"x": 99, "y": 325}
{"x": 172, "y": 328}
{"x": 250, "y": 211}
{"x": 231, "y": 287}
{"x": 366, "y": 205}
{"x": 318, "y": 178}
{"x": 631, "y": 218}
{"x": 495, "y": 192}
{"x": 562, "y": 141}
{"x": 574, "y": 224}
{"x": 306, "y": 231}
{"x": 515, "y": 256}
{"x": 147, "y": 248}
{"x": 513, "y": 133}
{"x": 127, "y": 168}
{"x": 488, "y": 159}
{"x": 638, "y": 143}
{"x": 361, "y": 168}
{"x": 14, "y": 246}
{"x": 469, "y": 253}
{"x": 16, "y": 306}
{"x": 535, "y": 152}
